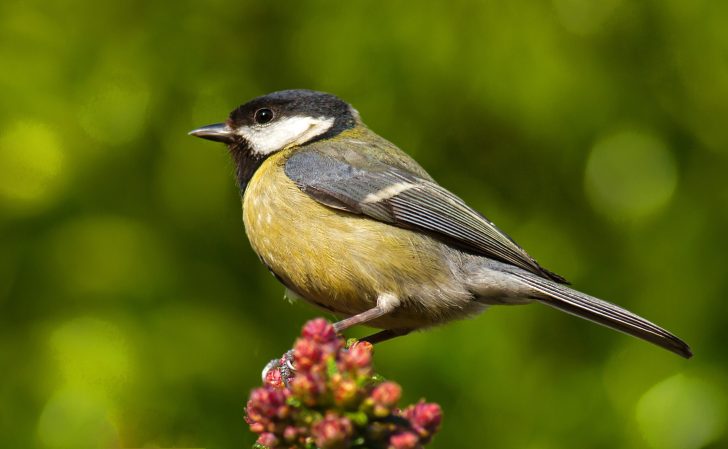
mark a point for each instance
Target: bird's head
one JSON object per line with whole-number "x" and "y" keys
{"x": 273, "y": 122}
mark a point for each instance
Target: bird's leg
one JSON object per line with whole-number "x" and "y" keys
{"x": 386, "y": 302}
{"x": 385, "y": 335}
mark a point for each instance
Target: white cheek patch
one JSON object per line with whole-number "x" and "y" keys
{"x": 284, "y": 132}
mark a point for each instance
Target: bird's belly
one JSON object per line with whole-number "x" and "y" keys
{"x": 343, "y": 262}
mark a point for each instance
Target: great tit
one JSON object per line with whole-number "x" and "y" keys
{"x": 349, "y": 222}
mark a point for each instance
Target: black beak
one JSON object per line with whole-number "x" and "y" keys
{"x": 219, "y": 132}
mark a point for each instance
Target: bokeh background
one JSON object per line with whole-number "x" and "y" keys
{"x": 134, "y": 314}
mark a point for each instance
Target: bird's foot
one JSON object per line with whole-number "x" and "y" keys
{"x": 285, "y": 368}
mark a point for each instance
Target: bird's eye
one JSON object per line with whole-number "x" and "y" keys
{"x": 264, "y": 115}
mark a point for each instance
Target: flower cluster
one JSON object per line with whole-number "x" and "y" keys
{"x": 334, "y": 400}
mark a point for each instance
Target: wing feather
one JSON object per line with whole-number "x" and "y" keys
{"x": 393, "y": 195}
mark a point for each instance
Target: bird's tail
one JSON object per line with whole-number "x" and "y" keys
{"x": 602, "y": 312}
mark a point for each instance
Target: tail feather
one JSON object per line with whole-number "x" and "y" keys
{"x": 602, "y": 312}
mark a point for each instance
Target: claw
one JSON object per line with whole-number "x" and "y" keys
{"x": 284, "y": 364}
{"x": 287, "y": 369}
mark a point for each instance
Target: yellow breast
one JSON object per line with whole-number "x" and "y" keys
{"x": 337, "y": 260}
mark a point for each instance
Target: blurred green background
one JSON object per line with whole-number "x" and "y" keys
{"x": 134, "y": 314}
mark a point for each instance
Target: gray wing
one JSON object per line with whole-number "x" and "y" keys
{"x": 355, "y": 183}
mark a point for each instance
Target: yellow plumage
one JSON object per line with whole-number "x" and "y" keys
{"x": 341, "y": 261}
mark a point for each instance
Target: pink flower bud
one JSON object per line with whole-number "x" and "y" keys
{"x": 255, "y": 427}
{"x": 290, "y": 433}
{"x": 345, "y": 392}
{"x": 307, "y": 387}
{"x": 273, "y": 379}
{"x": 404, "y": 440}
{"x": 267, "y": 439}
{"x": 319, "y": 330}
{"x": 306, "y": 354}
{"x": 358, "y": 358}
{"x": 332, "y": 432}
{"x": 425, "y": 418}
{"x": 387, "y": 394}
{"x": 266, "y": 404}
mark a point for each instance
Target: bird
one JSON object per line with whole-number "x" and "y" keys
{"x": 355, "y": 226}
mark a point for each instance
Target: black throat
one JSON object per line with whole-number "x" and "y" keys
{"x": 246, "y": 162}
